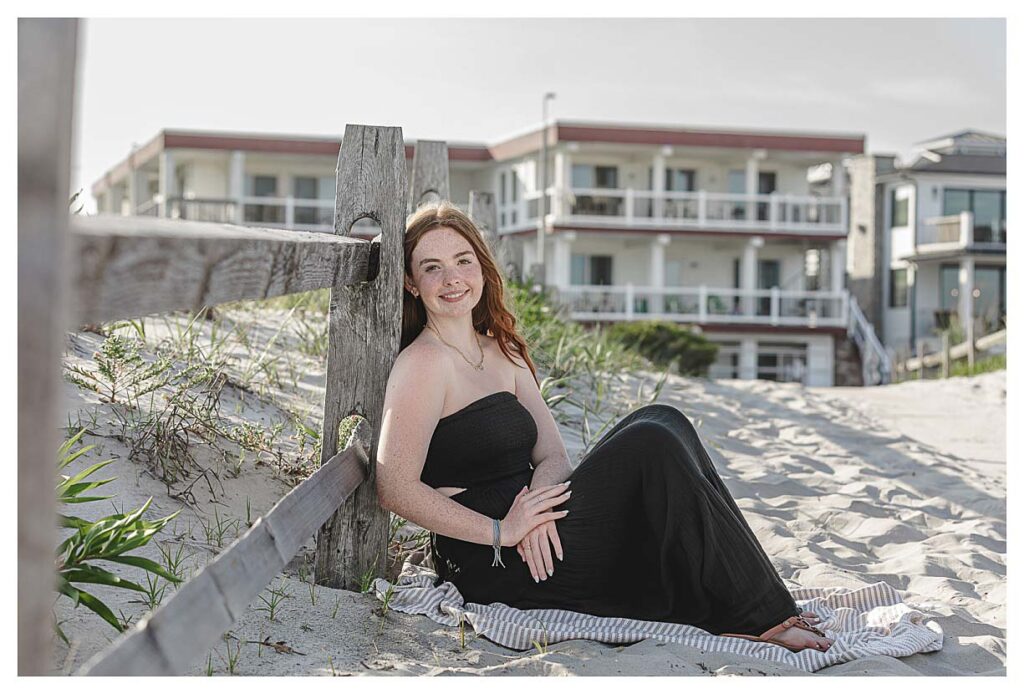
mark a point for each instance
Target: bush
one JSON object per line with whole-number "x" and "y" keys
{"x": 666, "y": 344}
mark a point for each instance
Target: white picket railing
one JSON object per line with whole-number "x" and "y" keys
{"x": 703, "y": 304}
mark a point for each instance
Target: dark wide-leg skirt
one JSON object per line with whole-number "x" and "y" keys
{"x": 652, "y": 533}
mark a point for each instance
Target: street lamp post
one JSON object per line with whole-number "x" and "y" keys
{"x": 539, "y": 274}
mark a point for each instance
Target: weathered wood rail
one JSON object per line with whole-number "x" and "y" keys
{"x": 127, "y": 267}
{"x": 134, "y": 266}
{"x": 943, "y": 357}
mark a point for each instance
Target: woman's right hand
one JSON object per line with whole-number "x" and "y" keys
{"x": 529, "y": 509}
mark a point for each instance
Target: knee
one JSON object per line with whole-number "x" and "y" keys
{"x": 665, "y": 437}
{"x": 669, "y": 416}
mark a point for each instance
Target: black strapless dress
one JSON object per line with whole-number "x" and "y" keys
{"x": 652, "y": 532}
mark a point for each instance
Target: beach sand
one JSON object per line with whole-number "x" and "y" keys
{"x": 844, "y": 487}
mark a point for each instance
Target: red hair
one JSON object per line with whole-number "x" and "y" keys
{"x": 490, "y": 316}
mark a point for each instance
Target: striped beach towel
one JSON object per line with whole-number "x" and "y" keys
{"x": 867, "y": 621}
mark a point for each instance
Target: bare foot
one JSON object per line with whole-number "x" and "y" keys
{"x": 811, "y": 617}
{"x": 798, "y": 638}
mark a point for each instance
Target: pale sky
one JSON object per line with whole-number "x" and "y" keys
{"x": 897, "y": 81}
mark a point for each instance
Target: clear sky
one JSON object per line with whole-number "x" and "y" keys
{"x": 897, "y": 81}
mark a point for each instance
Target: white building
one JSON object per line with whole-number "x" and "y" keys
{"x": 741, "y": 233}
{"x": 928, "y": 240}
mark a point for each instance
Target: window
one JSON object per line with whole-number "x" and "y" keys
{"x": 680, "y": 180}
{"x": 898, "y": 287}
{"x": 578, "y": 274}
{"x": 304, "y": 188}
{"x": 601, "y": 269}
{"x": 590, "y": 269}
{"x": 949, "y": 287}
{"x": 782, "y": 362}
{"x": 990, "y": 304}
{"x": 988, "y": 207}
{"x": 501, "y": 188}
{"x": 590, "y": 176}
{"x": 900, "y": 209}
{"x": 736, "y": 182}
{"x": 313, "y": 188}
{"x": 514, "y": 185}
{"x": 262, "y": 186}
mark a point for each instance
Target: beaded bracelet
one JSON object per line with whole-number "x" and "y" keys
{"x": 497, "y": 544}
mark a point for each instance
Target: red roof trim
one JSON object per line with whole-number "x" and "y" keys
{"x": 698, "y": 138}
{"x": 710, "y": 233}
{"x": 327, "y": 147}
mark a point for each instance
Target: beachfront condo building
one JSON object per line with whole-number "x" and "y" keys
{"x": 927, "y": 240}
{"x": 741, "y": 234}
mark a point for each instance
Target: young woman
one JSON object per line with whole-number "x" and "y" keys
{"x": 643, "y": 527}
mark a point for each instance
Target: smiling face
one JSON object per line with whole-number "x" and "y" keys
{"x": 444, "y": 263}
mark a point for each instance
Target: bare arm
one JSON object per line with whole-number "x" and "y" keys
{"x": 413, "y": 403}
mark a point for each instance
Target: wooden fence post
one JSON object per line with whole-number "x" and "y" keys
{"x": 429, "y": 173}
{"x": 46, "y": 85}
{"x": 945, "y": 354}
{"x": 485, "y": 215}
{"x": 365, "y": 328}
{"x": 970, "y": 346}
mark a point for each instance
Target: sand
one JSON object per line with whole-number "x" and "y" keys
{"x": 903, "y": 483}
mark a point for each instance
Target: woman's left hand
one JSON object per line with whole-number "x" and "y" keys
{"x": 535, "y": 550}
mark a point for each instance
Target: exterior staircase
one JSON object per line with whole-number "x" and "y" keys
{"x": 876, "y": 366}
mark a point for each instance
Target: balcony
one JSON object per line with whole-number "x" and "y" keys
{"x": 959, "y": 232}
{"x": 699, "y": 210}
{"x": 285, "y": 213}
{"x": 706, "y": 305}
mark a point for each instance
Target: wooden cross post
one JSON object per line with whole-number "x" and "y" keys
{"x": 365, "y": 327}
{"x": 429, "y": 173}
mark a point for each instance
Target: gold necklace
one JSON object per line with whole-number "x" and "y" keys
{"x": 479, "y": 366}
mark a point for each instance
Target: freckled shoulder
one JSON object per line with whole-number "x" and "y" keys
{"x": 412, "y": 361}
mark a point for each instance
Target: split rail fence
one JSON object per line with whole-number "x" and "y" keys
{"x": 944, "y": 357}
{"x": 75, "y": 270}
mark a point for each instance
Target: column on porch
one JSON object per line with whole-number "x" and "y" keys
{"x": 106, "y": 201}
{"x": 530, "y": 259}
{"x": 748, "y": 274}
{"x": 748, "y": 358}
{"x": 562, "y": 183}
{"x": 167, "y": 182}
{"x": 753, "y": 169}
{"x": 965, "y": 309}
{"x": 839, "y": 190}
{"x": 135, "y": 188}
{"x": 837, "y": 266}
{"x": 561, "y": 260}
{"x": 658, "y": 182}
{"x": 657, "y": 271}
{"x": 236, "y": 184}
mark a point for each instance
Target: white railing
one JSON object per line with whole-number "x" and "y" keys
{"x": 875, "y": 364}
{"x": 768, "y": 307}
{"x": 701, "y": 210}
{"x": 271, "y": 212}
{"x": 958, "y": 231}
{"x": 522, "y": 213}
{"x": 950, "y": 231}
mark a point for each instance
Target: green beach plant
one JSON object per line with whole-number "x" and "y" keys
{"x": 109, "y": 539}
